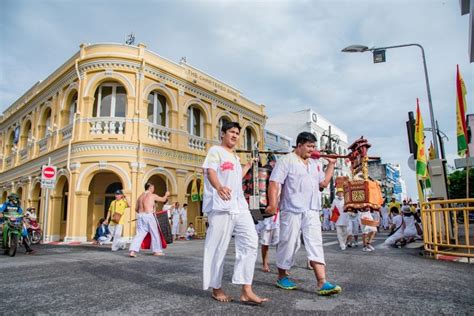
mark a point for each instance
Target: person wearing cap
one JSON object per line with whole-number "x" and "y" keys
{"x": 299, "y": 179}
{"x": 119, "y": 205}
{"x": 394, "y": 203}
{"x": 343, "y": 220}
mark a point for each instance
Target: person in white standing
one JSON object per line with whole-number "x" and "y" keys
{"x": 228, "y": 214}
{"x": 342, "y": 221}
{"x": 183, "y": 220}
{"x": 353, "y": 229}
{"x": 175, "y": 220}
{"x": 326, "y": 217}
{"x": 146, "y": 221}
{"x": 385, "y": 218}
{"x": 299, "y": 179}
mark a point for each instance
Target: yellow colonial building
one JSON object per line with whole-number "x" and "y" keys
{"x": 113, "y": 117}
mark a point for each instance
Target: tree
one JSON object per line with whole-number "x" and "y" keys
{"x": 457, "y": 184}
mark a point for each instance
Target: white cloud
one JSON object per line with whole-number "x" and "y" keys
{"x": 284, "y": 54}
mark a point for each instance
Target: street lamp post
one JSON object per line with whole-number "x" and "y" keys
{"x": 362, "y": 49}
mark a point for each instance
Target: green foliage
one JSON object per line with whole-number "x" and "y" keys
{"x": 457, "y": 184}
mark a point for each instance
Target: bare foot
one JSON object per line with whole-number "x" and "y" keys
{"x": 158, "y": 254}
{"x": 249, "y": 297}
{"x": 287, "y": 273}
{"x": 266, "y": 268}
{"x": 132, "y": 254}
{"x": 220, "y": 296}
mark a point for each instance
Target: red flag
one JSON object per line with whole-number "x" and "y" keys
{"x": 335, "y": 214}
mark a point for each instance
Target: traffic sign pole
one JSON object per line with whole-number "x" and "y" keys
{"x": 45, "y": 174}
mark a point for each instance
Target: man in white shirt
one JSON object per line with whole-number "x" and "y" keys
{"x": 300, "y": 178}
{"x": 395, "y": 238}
{"x": 385, "y": 217}
{"x": 228, "y": 214}
{"x": 342, "y": 221}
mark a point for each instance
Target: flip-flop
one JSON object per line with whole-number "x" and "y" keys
{"x": 158, "y": 254}
{"x": 226, "y": 299}
{"x": 132, "y": 256}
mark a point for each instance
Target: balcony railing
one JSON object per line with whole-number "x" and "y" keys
{"x": 107, "y": 126}
{"x": 159, "y": 133}
{"x": 196, "y": 142}
{"x": 8, "y": 161}
{"x": 24, "y": 154}
{"x": 67, "y": 132}
{"x": 43, "y": 144}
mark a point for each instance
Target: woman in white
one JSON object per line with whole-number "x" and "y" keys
{"x": 228, "y": 214}
{"x": 175, "y": 219}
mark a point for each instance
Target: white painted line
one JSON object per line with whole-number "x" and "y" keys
{"x": 331, "y": 243}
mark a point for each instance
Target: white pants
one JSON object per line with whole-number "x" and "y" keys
{"x": 290, "y": 226}
{"x": 332, "y": 225}
{"x": 385, "y": 222}
{"x": 222, "y": 226}
{"x": 342, "y": 235}
{"x": 326, "y": 223}
{"x": 104, "y": 239}
{"x": 175, "y": 228}
{"x": 116, "y": 232}
{"x": 146, "y": 223}
{"x": 270, "y": 237}
{"x": 353, "y": 227}
{"x": 394, "y": 238}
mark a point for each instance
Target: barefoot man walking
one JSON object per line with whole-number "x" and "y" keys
{"x": 146, "y": 222}
{"x": 228, "y": 214}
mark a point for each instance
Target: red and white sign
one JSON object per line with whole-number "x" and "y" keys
{"x": 48, "y": 176}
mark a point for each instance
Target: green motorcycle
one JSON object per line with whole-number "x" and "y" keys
{"x": 12, "y": 229}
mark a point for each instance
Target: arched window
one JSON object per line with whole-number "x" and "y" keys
{"x": 222, "y": 120}
{"x": 45, "y": 124}
{"x": 9, "y": 144}
{"x": 110, "y": 100}
{"x": 26, "y": 135}
{"x": 249, "y": 138}
{"x": 72, "y": 107}
{"x": 195, "y": 121}
{"x": 157, "y": 108}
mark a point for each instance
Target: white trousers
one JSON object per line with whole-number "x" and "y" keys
{"x": 291, "y": 224}
{"x": 342, "y": 235}
{"x": 270, "y": 237}
{"x": 175, "y": 228}
{"x": 353, "y": 227}
{"x": 222, "y": 226}
{"x": 146, "y": 223}
{"x": 326, "y": 223}
{"x": 116, "y": 232}
{"x": 394, "y": 238}
{"x": 332, "y": 225}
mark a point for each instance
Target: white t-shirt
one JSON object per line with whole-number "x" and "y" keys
{"x": 229, "y": 172}
{"x": 343, "y": 219}
{"x": 184, "y": 214}
{"x": 300, "y": 183}
{"x": 398, "y": 221}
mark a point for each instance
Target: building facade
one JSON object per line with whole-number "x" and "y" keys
{"x": 276, "y": 141}
{"x": 114, "y": 117}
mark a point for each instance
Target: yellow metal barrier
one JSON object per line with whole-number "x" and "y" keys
{"x": 446, "y": 228}
{"x": 200, "y": 226}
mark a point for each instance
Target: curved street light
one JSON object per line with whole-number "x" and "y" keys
{"x": 363, "y": 48}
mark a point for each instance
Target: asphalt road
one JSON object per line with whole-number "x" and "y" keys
{"x": 90, "y": 280}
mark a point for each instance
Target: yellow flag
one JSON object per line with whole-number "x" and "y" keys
{"x": 421, "y": 163}
{"x": 194, "y": 191}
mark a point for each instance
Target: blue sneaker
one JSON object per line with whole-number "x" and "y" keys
{"x": 286, "y": 284}
{"x": 329, "y": 289}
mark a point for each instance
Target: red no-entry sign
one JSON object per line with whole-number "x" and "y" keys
{"x": 48, "y": 176}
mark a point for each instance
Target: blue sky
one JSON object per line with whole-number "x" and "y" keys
{"x": 284, "y": 54}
